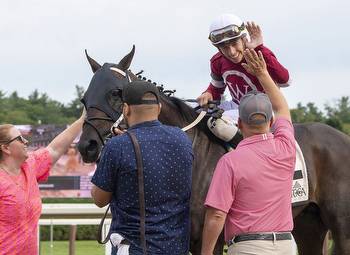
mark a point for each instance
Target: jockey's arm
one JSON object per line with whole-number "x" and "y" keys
{"x": 277, "y": 71}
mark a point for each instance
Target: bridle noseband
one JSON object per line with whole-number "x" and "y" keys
{"x": 91, "y": 124}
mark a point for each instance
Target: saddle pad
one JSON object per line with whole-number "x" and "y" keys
{"x": 300, "y": 187}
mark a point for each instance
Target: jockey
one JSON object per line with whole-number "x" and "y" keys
{"x": 231, "y": 37}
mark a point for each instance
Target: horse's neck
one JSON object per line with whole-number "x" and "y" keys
{"x": 172, "y": 115}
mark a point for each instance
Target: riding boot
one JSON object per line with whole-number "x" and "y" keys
{"x": 226, "y": 130}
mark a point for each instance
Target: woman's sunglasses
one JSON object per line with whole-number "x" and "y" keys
{"x": 19, "y": 138}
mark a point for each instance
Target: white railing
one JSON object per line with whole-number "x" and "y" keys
{"x": 73, "y": 214}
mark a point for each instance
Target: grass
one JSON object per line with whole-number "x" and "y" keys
{"x": 346, "y": 127}
{"x": 66, "y": 200}
{"x": 62, "y": 248}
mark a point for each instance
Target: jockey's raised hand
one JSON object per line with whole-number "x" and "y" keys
{"x": 255, "y": 35}
{"x": 256, "y": 64}
{"x": 204, "y": 98}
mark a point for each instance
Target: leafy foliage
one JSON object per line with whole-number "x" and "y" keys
{"x": 61, "y": 232}
{"x": 337, "y": 116}
{"x": 38, "y": 108}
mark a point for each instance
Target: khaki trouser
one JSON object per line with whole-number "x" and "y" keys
{"x": 262, "y": 247}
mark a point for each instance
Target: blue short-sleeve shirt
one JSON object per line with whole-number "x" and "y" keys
{"x": 167, "y": 159}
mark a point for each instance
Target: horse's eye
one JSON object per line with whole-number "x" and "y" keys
{"x": 116, "y": 93}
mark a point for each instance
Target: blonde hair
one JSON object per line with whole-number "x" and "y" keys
{"x": 4, "y": 135}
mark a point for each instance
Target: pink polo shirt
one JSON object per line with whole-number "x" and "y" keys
{"x": 20, "y": 205}
{"x": 253, "y": 183}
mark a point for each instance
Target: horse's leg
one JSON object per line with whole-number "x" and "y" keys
{"x": 219, "y": 247}
{"x": 340, "y": 228}
{"x": 334, "y": 203}
{"x": 309, "y": 231}
{"x": 195, "y": 244}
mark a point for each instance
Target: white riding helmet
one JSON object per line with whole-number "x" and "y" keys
{"x": 226, "y": 27}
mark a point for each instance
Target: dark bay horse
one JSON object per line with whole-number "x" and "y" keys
{"x": 326, "y": 152}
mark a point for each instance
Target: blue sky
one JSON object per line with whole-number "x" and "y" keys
{"x": 43, "y": 42}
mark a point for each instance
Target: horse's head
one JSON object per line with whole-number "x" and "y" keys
{"x": 103, "y": 103}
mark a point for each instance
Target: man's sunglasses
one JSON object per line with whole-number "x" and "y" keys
{"x": 19, "y": 138}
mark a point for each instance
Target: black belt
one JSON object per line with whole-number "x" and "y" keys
{"x": 267, "y": 236}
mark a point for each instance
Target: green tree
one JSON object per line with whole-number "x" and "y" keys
{"x": 338, "y": 116}
{"x": 341, "y": 110}
{"x": 308, "y": 113}
{"x": 335, "y": 122}
{"x": 75, "y": 107}
{"x": 37, "y": 109}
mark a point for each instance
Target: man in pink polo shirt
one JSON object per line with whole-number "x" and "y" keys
{"x": 250, "y": 193}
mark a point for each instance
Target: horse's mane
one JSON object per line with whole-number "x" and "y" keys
{"x": 189, "y": 114}
{"x": 186, "y": 111}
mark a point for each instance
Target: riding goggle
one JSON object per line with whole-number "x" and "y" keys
{"x": 227, "y": 33}
{"x": 18, "y": 138}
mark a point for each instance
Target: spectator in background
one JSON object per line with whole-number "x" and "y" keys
{"x": 72, "y": 163}
{"x": 20, "y": 172}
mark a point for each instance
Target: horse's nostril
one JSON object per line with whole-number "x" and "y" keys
{"x": 92, "y": 146}
{"x": 89, "y": 150}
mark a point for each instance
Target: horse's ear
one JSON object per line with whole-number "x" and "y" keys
{"x": 125, "y": 63}
{"x": 94, "y": 65}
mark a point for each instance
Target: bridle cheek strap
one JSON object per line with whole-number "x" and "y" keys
{"x": 117, "y": 123}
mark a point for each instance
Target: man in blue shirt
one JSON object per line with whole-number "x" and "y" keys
{"x": 167, "y": 160}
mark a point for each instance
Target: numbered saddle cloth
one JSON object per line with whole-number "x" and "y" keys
{"x": 300, "y": 187}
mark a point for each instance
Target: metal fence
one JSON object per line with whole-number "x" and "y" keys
{"x": 73, "y": 215}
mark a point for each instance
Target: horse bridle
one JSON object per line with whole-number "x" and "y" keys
{"x": 114, "y": 125}
{"x": 91, "y": 124}
{"x": 120, "y": 119}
